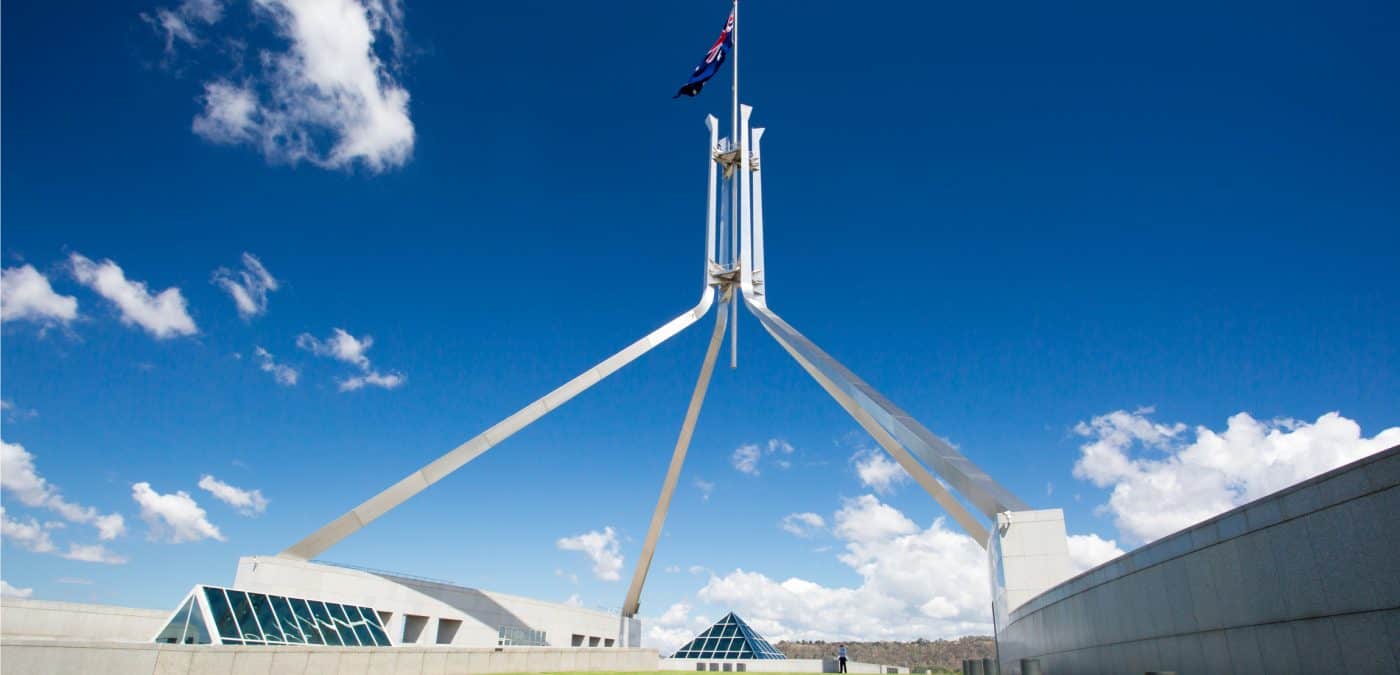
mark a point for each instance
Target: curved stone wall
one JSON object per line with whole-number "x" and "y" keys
{"x": 1306, "y": 580}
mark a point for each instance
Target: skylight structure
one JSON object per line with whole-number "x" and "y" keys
{"x": 228, "y": 616}
{"x": 729, "y": 638}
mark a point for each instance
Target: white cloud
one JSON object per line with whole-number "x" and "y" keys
{"x": 248, "y": 502}
{"x": 228, "y": 114}
{"x": 20, "y": 478}
{"x": 675, "y": 627}
{"x": 706, "y": 489}
{"x": 898, "y": 599}
{"x": 745, "y": 458}
{"x": 75, "y": 581}
{"x": 373, "y": 378}
{"x": 14, "y": 413}
{"x": 9, "y": 591}
{"x": 699, "y": 569}
{"x": 1182, "y": 482}
{"x": 573, "y": 578}
{"x": 1089, "y": 550}
{"x": 178, "y": 24}
{"x": 31, "y": 535}
{"x": 25, "y": 295}
{"x": 175, "y": 518}
{"x": 802, "y": 524}
{"x": 877, "y": 471}
{"x": 248, "y": 287}
{"x": 341, "y": 346}
{"x": 328, "y": 98}
{"x": 95, "y": 553}
{"x": 574, "y": 600}
{"x": 673, "y": 569}
{"x": 600, "y": 547}
{"x": 285, "y": 375}
{"x": 35, "y": 537}
{"x": 163, "y": 315}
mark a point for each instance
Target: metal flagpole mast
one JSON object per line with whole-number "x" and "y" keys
{"x": 734, "y": 195}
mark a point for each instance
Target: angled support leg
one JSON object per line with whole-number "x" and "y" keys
{"x": 419, "y": 480}
{"x": 806, "y": 353}
{"x": 668, "y": 487}
{"x": 966, "y": 478}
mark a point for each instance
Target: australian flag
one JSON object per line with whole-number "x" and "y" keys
{"x": 713, "y": 60}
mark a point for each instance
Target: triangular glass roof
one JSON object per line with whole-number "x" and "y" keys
{"x": 215, "y": 615}
{"x": 729, "y": 638}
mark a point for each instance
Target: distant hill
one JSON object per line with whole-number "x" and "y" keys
{"x": 919, "y": 654}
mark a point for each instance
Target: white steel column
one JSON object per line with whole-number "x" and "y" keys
{"x": 711, "y": 255}
{"x": 757, "y": 163}
{"x": 668, "y": 486}
{"x": 745, "y": 205}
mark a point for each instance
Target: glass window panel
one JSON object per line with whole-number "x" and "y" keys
{"x": 306, "y": 622}
{"x": 361, "y": 626}
{"x": 223, "y": 614}
{"x": 233, "y": 642}
{"x": 196, "y": 632}
{"x": 286, "y": 619}
{"x": 347, "y": 634}
{"x": 174, "y": 630}
{"x": 323, "y": 621}
{"x": 243, "y": 614}
{"x": 371, "y": 616}
{"x": 375, "y": 627}
{"x": 745, "y": 653}
{"x": 263, "y": 610}
{"x": 362, "y": 632}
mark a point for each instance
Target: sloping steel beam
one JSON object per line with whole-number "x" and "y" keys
{"x": 961, "y": 474}
{"x": 332, "y": 533}
{"x": 935, "y": 489}
{"x": 673, "y": 473}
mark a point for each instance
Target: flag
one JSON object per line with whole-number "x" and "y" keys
{"x": 713, "y": 60}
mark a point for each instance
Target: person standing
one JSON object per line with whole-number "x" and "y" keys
{"x": 841, "y": 657}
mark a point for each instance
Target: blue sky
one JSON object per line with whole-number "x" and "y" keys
{"x": 1052, "y": 234}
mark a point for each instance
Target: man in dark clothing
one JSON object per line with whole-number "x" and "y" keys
{"x": 841, "y": 656}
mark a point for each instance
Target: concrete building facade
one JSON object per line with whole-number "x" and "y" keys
{"x": 1306, "y": 580}
{"x": 424, "y": 612}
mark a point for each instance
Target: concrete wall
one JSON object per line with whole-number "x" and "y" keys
{"x": 1027, "y": 554}
{"x": 1306, "y": 580}
{"x": 482, "y": 613}
{"x": 52, "y": 657}
{"x": 780, "y": 666}
{"x": 70, "y": 620}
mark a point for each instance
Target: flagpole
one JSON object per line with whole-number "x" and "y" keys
{"x": 735, "y": 138}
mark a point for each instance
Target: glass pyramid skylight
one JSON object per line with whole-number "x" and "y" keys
{"x": 729, "y": 638}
